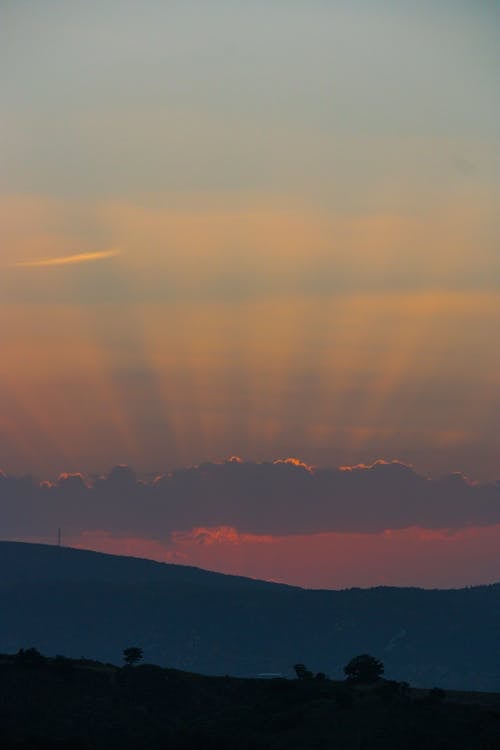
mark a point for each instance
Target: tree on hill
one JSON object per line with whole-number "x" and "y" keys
{"x": 302, "y": 672}
{"x": 29, "y": 657}
{"x": 132, "y": 655}
{"x": 364, "y": 668}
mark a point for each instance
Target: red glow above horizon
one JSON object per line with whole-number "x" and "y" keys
{"x": 432, "y": 558}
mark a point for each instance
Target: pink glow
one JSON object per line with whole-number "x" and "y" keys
{"x": 409, "y": 557}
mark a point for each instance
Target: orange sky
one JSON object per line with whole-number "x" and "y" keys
{"x": 249, "y": 230}
{"x": 252, "y": 231}
{"x": 335, "y": 380}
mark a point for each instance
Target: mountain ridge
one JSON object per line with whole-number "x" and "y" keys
{"x": 77, "y": 602}
{"x": 159, "y": 566}
{"x": 53, "y": 553}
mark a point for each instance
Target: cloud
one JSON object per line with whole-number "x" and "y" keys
{"x": 68, "y": 260}
{"x": 218, "y": 535}
{"x": 293, "y": 462}
{"x": 246, "y": 500}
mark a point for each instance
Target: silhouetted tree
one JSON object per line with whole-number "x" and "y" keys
{"x": 29, "y": 657}
{"x": 132, "y": 655}
{"x": 302, "y": 672}
{"x": 364, "y": 668}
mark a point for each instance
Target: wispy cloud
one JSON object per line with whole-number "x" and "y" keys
{"x": 68, "y": 260}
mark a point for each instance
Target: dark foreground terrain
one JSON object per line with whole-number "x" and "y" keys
{"x": 61, "y": 703}
{"x": 76, "y": 602}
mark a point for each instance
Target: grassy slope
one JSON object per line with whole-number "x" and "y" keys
{"x": 85, "y": 704}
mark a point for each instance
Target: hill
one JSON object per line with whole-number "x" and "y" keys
{"x": 78, "y": 603}
{"x": 59, "y": 703}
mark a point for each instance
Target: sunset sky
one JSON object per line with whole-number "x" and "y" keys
{"x": 262, "y": 229}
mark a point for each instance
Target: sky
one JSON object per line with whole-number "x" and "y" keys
{"x": 254, "y": 229}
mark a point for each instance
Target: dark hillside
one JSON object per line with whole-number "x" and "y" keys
{"x": 84, "y": 603}
{"x": 59, "y": 703}
{"x": 44, "y": 563}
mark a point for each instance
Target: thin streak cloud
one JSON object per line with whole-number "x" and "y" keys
{"x": 68, "y": 260}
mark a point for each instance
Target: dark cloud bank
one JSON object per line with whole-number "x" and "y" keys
{"x": 279, "y": 498}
